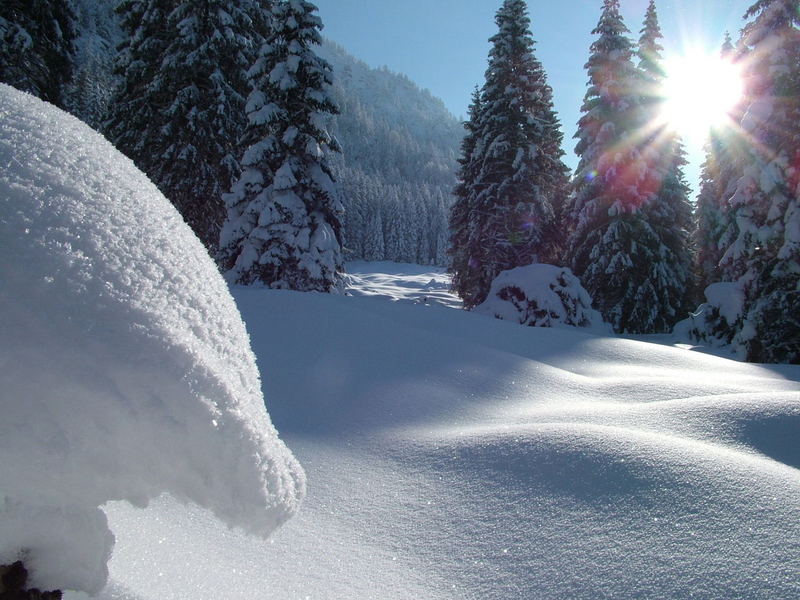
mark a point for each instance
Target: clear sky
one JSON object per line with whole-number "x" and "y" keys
{"x": 442, "y": 45}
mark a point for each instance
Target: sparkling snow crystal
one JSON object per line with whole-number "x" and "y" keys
{"x": 125, "y": 368}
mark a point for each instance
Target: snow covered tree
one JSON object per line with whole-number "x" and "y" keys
{"x": 461, "y": 247}
{"x": 132, "y": 122}
{"x": 284, "y": 213}
{"x": 611, "y": 244}
{"x": 192, "y": 97}
{"x": 715, "y": 222}
{"x": 666, "y": 210}
{"x": 765, "y": 255}
{"x": 37, "y": 46}
{"x": 517, "y": 157}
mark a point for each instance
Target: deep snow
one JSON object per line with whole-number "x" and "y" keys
{"x": 125, "y": 367}
{"x": 451, "y": 455}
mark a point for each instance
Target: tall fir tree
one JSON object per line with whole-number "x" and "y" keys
{"x": 284, "y": 213}
{"x": 517, "y": 157}
{"x": 37, "y": 47}
{"x": 179, "y": 108}
{"x": 611, "y": 244}
{"x": 461, "y": 240}
{"x": 766, "y": 252}
{"x": 667, "y": 209}
{"x": 135, "y": 103}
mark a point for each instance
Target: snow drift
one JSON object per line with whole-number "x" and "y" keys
{"x": 455, "y": 456}
{"x": 125, "y": 368}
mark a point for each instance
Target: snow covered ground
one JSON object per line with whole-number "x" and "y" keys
{"x": 451, "y": 455}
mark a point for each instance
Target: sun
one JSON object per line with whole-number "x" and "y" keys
{"x": 700, "y": 90}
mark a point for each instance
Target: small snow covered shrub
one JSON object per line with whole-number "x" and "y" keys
{"x": 540, "y": 296}
{"x": 125, "y": 368}
{"x": 718, "y": 320}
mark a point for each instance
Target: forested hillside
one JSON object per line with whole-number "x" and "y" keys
{"x": 397, "y": 167}
{"x": 399, "y": 143}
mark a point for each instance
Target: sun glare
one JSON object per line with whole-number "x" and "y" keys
{"x": 700, "y": 90}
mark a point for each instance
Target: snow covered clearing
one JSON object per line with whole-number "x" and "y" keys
{"x": 451, "y": 455}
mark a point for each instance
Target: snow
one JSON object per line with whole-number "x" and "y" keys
{"x": 541, "y": 295}
{"x": 454, "y": 456}
{"x": 127, "y": 371}
{"x": 728, "y": 298}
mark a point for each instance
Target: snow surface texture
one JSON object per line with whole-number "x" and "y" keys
{"x": 125, "y": 368}
{"x": 401, "y": 282}
{"x": 541, "y": 296}
{"x": 454, "y": 456}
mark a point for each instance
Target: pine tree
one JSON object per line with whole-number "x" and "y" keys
{"x": 461, "y": 243}
{"x": 37, "y": 47}
{"x": 187, "y": 74}
{"x": 203, "y": 71}
{"x": 766, "y": 251}
{"x": 132, "y": 124}
{"x": 611, "y": 244}
{"x": 284, "y": 212}
{"x": 517, "y": 157}
{"x": 666, "y": 210}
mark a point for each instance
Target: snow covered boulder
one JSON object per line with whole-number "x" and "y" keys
{"x": 125, "y": 368}
{"x": 541, "y": 296}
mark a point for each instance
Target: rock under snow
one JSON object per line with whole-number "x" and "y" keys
{"x": 125, "y": 368}
{"x": 541, "y": 296}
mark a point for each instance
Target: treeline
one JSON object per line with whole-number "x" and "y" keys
{"x": 623, "y": 223}
{"x": 167, "y": 83}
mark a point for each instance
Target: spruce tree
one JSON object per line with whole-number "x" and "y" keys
{"x": 284, "y": 213}
{"x": 611, "y": 244}
{"x": 667, "y": 209}
{"x": 184, "y": 89}
{"x": 461, "y": 243}
{"x": 203, "y": 72}
{"x": 132, "y": 124}
{"x": 766, "y": 252}
{"x": 37, "y": 47}
{"x": 517, "y": 159}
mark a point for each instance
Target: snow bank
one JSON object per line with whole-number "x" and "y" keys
{"x": 541, "y": 296}
{"x": 125, "y": 368}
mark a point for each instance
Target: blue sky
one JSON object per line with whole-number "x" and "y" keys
{"x": 442, "y": 44}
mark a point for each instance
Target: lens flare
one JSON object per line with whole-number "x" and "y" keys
{"x": 699, "y": 93}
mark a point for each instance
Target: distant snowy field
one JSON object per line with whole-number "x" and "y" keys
{"x": 451, "y": 455}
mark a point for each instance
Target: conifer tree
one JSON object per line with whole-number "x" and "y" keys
{"x": 666, "y": 210}
{"x": 135, "y": 102}
{"x": 461, "y": 243}
{"x": 284, "y": 213}
{"x": 517, "y": 158}
{"x": 766, "y": 252}
{"x": 178, "y": 111}
{"x": 611, "y": 244}
{"x": 37, "y": 47}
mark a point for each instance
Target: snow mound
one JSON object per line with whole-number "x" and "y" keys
{"x": 125, "y": 367}
{"x": 541, "y": 296}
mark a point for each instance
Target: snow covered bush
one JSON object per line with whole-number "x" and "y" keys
{"x": 716, "y": 321}
{"x": 125, "y": 368}
{"x": 541, "y": 296}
